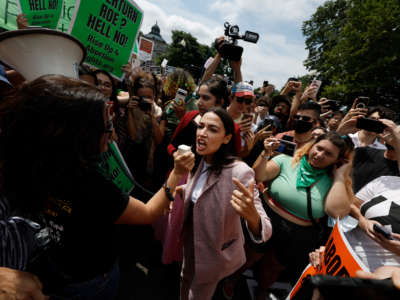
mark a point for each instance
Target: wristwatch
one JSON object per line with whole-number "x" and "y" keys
{"x": 168, "y": 192}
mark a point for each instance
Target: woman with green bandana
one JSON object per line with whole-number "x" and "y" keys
{"x": 302, "y": 190}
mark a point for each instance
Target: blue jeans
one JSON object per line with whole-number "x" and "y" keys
{"x": 102, "y": 287}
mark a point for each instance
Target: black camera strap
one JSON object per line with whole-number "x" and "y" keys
{"x": 309, "y": 206}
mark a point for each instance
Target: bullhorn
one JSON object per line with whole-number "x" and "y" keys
{"x": 35, "y": 52}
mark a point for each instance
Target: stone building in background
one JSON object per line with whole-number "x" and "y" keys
{"x": 160, "y": 45}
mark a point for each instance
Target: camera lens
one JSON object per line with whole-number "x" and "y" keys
{"x": 234, "y": 30}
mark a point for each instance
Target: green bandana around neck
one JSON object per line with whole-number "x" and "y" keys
{"x": 307, "y": 175}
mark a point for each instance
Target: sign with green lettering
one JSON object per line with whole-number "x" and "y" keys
{"x": 43, "y": 13}
{"x": 108, "y": 29}
{"x": 113, "y": 167}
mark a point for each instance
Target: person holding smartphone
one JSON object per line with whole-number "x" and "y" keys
{"x": 376, "y": 237}
{"x": 302, "y": 190}
{"x": 305, "y": 120}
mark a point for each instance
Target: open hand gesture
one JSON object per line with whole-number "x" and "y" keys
{"x": 243, "y": 203}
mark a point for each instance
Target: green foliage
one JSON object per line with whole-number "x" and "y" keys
{"x": 354, "y": 45}
{"x": 192, "y": 53}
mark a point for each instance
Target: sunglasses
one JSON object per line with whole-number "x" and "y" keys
{"x": 246, "y": 100}
{"x": 304, "y": 118}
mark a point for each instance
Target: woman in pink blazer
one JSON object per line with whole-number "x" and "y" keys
{"x": 220, "y": 190}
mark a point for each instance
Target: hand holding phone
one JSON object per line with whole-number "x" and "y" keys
{"x": 371, "y": 125}
{"x": 286, "y": 147}
{"x": 180, "y": 97}
{"x": 362, "y": 102}
{"x": 317, "y": 84}
{"x": 247, "y": 116}
{"x": 383, "y": 231}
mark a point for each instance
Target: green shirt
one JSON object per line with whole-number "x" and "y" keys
{"x": 283, "y": 190}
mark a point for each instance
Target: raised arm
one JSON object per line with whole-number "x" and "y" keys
{"x": 138, "y": 212}
{"x": 265, "y": 169}
{"x": 208, "y": 73}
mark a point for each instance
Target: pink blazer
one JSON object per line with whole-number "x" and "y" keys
{"x": 218, "y": 235}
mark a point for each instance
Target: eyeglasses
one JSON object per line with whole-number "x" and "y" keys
{"x": 304, "y": 118}
{"x": 246, "y": 100}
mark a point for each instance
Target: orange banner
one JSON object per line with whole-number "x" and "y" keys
{"x": 339, "y": 260}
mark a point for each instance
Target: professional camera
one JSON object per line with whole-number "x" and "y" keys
{"x": 229, "y": 48}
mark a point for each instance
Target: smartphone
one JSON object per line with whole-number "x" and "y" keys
{"x": 362, "y": 102}
{"x": 333, "y": 104}
{"x": 286, "y": 147}
{"x": 247, "y": 116}
{"x": 180, "y": 96}
{"x": 288, "y": 138}
{"x": 316, "y": 83}
{"x": 371, "y": 125}
{"x": 265, "y": 123}
{"x": 384, "y": 231}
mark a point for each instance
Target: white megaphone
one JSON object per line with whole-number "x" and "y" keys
{"x": 38, "y": 51}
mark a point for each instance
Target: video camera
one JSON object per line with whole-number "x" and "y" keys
{"x": 229, "y": 48}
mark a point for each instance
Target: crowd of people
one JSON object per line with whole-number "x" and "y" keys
{"x": 229, "y": 179}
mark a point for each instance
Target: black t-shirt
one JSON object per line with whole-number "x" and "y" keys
{"x": 82, "y": 226}
{"x": 369, "y": 163}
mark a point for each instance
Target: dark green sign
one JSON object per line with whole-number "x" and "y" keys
{"x": 113, "y": 166}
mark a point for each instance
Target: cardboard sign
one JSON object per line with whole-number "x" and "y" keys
{"x": 8, "y": 14}
{"x": 108, "y": 30}
{"x": 114, "y": 167}
{"x": 339, "y": 260}
{"x": 42, "y": 13}
{"x": 66, "y": 15}
{"x": 145, "y": 49}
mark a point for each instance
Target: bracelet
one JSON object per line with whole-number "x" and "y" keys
{"x": 168, "y": 192}
{"x": 267, "y": 157}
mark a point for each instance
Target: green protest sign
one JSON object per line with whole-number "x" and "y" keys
{"x": 108, "y": 29}
{"x": 43, "y": 13}
{"x": 113, "y": 166}
{"x": 66, "y": 15}
{"x": 8, "y": 14}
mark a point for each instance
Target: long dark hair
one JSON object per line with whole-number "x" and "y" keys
{"x": 114, "y": 92}
{"x": 50, "y": 133}
{"x": 218, "y": 87}
{"x": 226, "y": 154}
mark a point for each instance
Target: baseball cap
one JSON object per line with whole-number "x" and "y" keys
{"x": 3, "y": 75}
{"x": 242, "y": 89}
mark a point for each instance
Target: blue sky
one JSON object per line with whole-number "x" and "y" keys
{"x": 280, "y": 51}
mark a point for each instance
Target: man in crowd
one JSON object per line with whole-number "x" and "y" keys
{"x": 305, "y": 120}
{"x": 371, "y": 163}
{"x": 281, "y": 109}
{"x": 334, "y": 120}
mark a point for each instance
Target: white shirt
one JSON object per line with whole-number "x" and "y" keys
{"x": 381, "y": 198}
{"x": 201, "y": 181}
{"x": 356, "y": 141}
